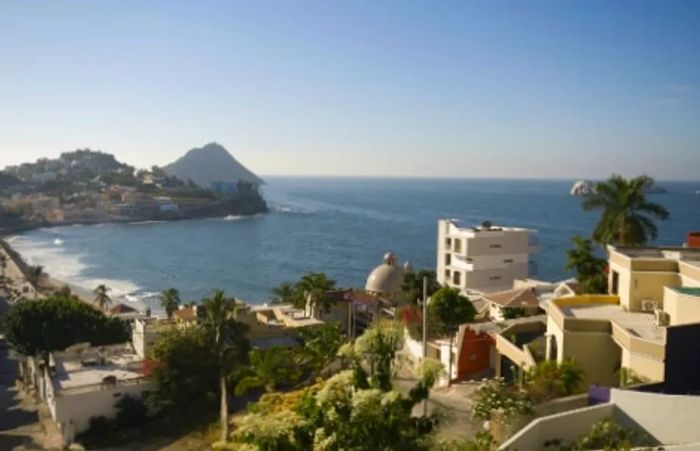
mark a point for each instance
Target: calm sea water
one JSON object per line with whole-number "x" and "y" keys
{"x": 338, "y": 226}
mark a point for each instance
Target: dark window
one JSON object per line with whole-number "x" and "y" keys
{"x": 494, "y": 246}
{"x": 508, "y": 260}
{"x": 615, "y": 282}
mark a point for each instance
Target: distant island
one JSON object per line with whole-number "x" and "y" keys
{"x": 88, "y": 187}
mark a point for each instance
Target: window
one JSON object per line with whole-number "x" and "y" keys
{"x": 615, "y": 282}
{"x": 494, "y": 246}
{"x": 495, "y": 278}
{"x": 447, "y": 274}
{"x": 508, "y": 260}
{"x": 457, "y": 278}
{"x": 448, "y": 259}
{"x": 448, "y": 243}
{"x": 458, "y": 245}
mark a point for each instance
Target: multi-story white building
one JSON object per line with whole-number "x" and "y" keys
{"x": 484, "y": 258}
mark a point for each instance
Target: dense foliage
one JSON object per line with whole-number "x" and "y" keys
{"x": 549, "y": 380}
{"x": 313, "y": 287}
{"x": 352, "y": 410}
{"x": 627, "y": 216}
{"x": 590, "y": 269}
{"x": 58, "y": 322}
{"x": 412, "y": 286}
{"x": 185, "y": 370}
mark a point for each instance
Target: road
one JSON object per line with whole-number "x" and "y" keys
{"x": 20, "y": 428}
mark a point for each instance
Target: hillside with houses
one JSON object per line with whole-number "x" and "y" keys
{"x": 87, "y": 186}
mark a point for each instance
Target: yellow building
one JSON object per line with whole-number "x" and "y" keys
{"x": 644, "y": 328}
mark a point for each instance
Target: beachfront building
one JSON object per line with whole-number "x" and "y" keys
{"x": 647, "y": 328}
{"x": 483, "y": 258}
{"x": 83, "y": 382}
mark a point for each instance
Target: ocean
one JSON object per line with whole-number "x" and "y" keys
{"x": 340, "y": 226}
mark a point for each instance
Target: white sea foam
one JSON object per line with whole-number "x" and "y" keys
{"x": 66, "y": 266}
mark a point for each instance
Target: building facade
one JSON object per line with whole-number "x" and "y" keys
{"x": 484, "y": 258}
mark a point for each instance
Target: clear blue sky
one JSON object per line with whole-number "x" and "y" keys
{"x": 465, "y": 89}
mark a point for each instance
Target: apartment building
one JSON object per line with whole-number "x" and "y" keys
{"x": 483, "y": 258}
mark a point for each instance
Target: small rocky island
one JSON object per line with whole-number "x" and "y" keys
{"x": 88, "y": 187}
{"x": 583, "y": 188}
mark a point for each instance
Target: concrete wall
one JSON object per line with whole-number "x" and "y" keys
{"x": 650, "y": 369}
{"x": 568, "y": 426}
{"x": 670, "y": 419}
{"x": 597, "y": 355}
{"x": 72, "y": 411}
{"x": 682, "y": 308}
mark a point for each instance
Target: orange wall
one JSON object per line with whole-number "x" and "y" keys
{"x": 475, "y": 353}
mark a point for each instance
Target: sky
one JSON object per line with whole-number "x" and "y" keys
{"x": 526, "y": 89}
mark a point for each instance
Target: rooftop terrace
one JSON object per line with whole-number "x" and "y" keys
{"x": 92, "y": 369}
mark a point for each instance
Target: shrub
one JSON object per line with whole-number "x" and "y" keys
{"x": 495, "y": 394}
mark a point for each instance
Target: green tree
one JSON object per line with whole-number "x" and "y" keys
{"x": 452, "y": 309}
{"x": 170, "y": 301}
{"x": 549, "y": 380}
{"x": 185, "y": 369}
{"x": 285, "y": 293}
{"x": 102, "y": 298}
{"x": 54, "y": 323}
{"x": 627, "y": 217}
{"x": 131, "y": 412}
{"x": 412, "y": 286}
{"x": 319, "y": 345}
{"x": 315, "y": 287}
{"x": 268, "y": 369}
{"x": 375, "y": 349}
{"x": 590, "y": 270}
{"x": 230, "y": 344}
{"x": 345, "y": 412}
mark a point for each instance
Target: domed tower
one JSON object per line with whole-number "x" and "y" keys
{"x": 385, "y": 280}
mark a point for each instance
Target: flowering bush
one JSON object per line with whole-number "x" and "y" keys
{"x": 495, "y": 394}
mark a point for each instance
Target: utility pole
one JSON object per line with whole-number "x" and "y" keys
{"x": 425, "y": 334}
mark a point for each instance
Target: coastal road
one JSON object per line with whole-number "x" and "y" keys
{"x": 20, "y": 428}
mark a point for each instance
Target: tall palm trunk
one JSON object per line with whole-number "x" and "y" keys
{"x": 449, "y": 373}
{"x": 224, "y": 408}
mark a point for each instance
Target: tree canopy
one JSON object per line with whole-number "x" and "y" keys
{"x": 627, "y": 215}
{"x": 57, "y": 322}
{"x": 590, "y": 269}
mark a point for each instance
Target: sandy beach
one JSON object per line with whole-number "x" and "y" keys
{"x": 18, "y": 285}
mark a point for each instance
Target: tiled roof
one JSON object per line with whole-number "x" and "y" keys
{"x": 524, "y": 297}
{"x": 121, "y": 308}
{"x": 185, "y": 314}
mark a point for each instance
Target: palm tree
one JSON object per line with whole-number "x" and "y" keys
{"x": 230, "y": 343}
{"x": 102, "y": 299}
{"x": 285, "y": 293}
{"x": 170, "y": 301}
{"x": 268, "y": 369}
{"x": 627, "y": 216}
{"x": 34, "y": 274}
{"x": 315, "y": 287}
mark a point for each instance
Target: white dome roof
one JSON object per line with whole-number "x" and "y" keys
{"x": 386, "y": 278}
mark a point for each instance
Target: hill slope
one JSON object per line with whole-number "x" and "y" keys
{"x": 208, "y": 164}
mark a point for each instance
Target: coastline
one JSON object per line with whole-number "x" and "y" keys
{"x": 15, "y": 272}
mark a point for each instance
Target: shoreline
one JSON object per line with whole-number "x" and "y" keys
{"x": 6, "y": 232}
{"x": 15, "y": 273}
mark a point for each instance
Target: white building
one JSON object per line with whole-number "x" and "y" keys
{"x": 485, "y": 258}
{"x": 84, "y": 382}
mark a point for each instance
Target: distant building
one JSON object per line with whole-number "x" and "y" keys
{"x": 485, "y": 258}
{"x": 693, "y": 240}
{"x": 166, "y": 204}
{"x": 83, "y": 382}
{"x": 224, "y": 187}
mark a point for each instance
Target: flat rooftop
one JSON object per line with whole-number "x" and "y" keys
{"x": 462, "y": 227}
{"x": 637, "y": 323}
{"x": 88, "y": 373}
{"x": 667, "y": 252}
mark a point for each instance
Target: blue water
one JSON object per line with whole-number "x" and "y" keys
{"x": 338, "y": 226}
